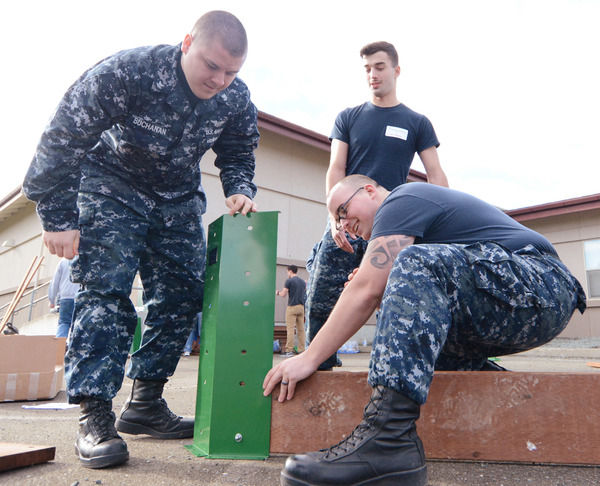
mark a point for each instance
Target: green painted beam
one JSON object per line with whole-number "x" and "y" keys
{"x": 233, "y": 419}
{"x": 137, "y": 337}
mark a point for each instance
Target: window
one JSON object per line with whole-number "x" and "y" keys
{"x": 592, "y": 267}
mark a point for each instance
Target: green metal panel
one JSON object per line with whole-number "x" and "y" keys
{"x": 137, "y": 337}
{"x": 233, "y": 419}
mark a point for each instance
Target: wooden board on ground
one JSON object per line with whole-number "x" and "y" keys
{"x": 14, "y": 455}
{"x": 475, "y": 416}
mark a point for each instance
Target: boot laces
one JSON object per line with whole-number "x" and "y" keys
{"x": 103, "y": 423}
{"x": 166, "y": 411}
{"x": 360, "y": 431}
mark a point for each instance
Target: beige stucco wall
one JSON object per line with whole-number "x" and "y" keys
{"x": 25, "y": 231}
{"x": 290, "y": 177}
{"x": 567, "y": 233}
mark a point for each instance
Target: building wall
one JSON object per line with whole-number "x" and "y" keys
{"x": 567, "y": 233}
{"x": 24, "y": 231}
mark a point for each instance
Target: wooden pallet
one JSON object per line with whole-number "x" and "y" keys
{"x": 482, "y": 416}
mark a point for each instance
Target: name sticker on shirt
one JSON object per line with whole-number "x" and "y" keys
{"x": 396, "y": 132}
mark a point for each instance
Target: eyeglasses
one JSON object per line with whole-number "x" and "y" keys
{"x": 342, "y": 210}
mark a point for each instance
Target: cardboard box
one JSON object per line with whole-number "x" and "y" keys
{"x": 31, "y": 367}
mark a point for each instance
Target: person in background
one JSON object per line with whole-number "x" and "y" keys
{"x": 61, "y": 292}
{"x": 295, "y": 289}
{"x": 194, "y": 336}
{"x": 378, "y": 138}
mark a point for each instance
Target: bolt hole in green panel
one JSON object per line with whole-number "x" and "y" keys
{"x": 233, "y": 419}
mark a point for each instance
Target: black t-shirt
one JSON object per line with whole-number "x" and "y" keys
{"x": 297, "y": 290}
{"x": 434, "y": 214}
{"x": 382, "y": 142}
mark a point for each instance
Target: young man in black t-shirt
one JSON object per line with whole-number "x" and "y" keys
{"x": 295, "y": 287}
{"x": 379, "y": 139}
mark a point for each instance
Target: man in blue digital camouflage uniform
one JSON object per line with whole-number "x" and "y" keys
{"x": 116, "y": 179}
{"x": 456, "y": 280}
{"x": 378, "y": 138}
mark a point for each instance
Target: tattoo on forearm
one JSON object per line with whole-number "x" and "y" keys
{"x": 393, "y": 247}
{"x": 379, "y": 257}
{"x": 383, "y": 253}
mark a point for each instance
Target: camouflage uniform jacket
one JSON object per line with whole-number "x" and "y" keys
{"x": 134, "y": 116}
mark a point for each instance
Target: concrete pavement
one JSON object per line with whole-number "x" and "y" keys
{"x": 153, "y": 462}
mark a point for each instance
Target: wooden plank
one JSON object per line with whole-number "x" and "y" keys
{"x": 522, "y": 417}
{"x": 483, "y": 416}
{"x": 14, "y": 455}
{"x": 326, "y": 407}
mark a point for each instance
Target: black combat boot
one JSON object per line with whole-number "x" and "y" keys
{"x": 146, "y": 412}
{"x": 489, "y": 365}
{"x": 98, "y": 444}
{"x": 384, "y": 449}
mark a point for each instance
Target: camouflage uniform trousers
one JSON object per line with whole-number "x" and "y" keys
{"x": 328, "y": 272}
{"x": 449, "y": 307}
{"x": 165, "y": 241}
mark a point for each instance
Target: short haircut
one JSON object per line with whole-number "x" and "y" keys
{"x": 386, "y": 47}
{"x": 293, "y": 268}
{"x": 224, "y": 26}
{"x": 357, "y": 180}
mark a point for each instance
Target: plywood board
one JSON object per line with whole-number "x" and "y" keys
{"x": 14, "y": 455}
{"x": 483, "y": 416}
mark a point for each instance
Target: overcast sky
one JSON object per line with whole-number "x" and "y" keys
{"x": 511, "y": 87}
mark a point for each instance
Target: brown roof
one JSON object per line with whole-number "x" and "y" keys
{"x": 567, "y": 206}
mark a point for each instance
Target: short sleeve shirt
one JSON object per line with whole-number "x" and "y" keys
{"x": 382, "y": 142}
{"x": 297, "y": 290}
{"x": 434, "y": 214}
